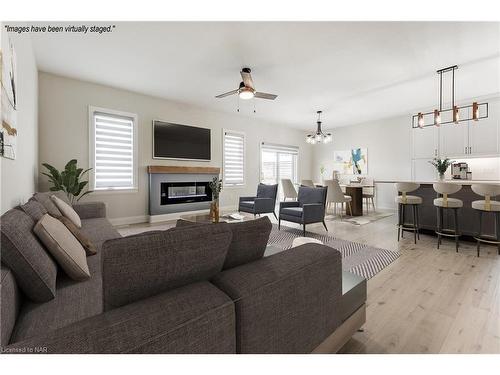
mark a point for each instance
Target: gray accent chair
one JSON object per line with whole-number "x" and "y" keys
{"x": 308, "y": 209}
{"x": 263, "y": 203}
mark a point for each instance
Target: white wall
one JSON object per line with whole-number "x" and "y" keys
{"x": 63, "y": 117}
{"x": 388, "y": 147}
{"x": 19, "y": 177}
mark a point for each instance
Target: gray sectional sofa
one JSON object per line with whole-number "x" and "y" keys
{"x": 190, "y": 289}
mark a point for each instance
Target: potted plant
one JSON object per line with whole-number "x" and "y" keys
{"x": 322, "y": 170}
{"x": 441, "y": 166}
{"x": 216, "y": 186}
{"x": 70, "y": 180}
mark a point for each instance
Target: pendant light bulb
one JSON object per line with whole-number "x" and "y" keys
{"x": 475, "y": 111}
{"x": 420, "y": 120}
{"x": 437, "y": 117}
{"x": 456, "y": 115}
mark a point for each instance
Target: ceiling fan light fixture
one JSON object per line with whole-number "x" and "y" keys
{"x": 246, "y": 93}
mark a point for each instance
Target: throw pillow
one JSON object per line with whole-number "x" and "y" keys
{"x": 44, "y": 199}
{"x": 67, "y": 211}
{"x": 89, "y": 247}
{"x": 34, "y": 209}
{"x": 63, "y": 246}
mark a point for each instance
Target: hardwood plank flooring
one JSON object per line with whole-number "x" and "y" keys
{"x": 428, "y": 300}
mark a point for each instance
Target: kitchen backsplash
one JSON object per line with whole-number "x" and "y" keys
{"x": 481, "y": 168}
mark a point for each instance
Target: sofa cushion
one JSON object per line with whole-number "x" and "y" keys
{"x": 98, "y": 231}
{"x": 248, "y": 204}
{"x": 248, "y": 243}
{"x": 63, "y": 246}
{"x": 67, "y": 211}
{"x": 292, "y": 211}
{"x": 138, "y": 267}
{"x": 34, "y": 209}
{"x": 33, "y": 268}
{"x": 10, "y": 302}
{"x": 88, "y": 246}
{"x": 267, "y": 191}
{"x": 195, "y": 319}
{"x": 74, "y": 301}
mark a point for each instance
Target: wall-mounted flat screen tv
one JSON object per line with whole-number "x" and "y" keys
{"x": 174, "y": 141}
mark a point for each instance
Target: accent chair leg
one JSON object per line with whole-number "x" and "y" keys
{"x": 279, "y": 223}
{"x": 325, "y": 226}
{"x": 304, "y": 229}
{"x": 276, "y": 217}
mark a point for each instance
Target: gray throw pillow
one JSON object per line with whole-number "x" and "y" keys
{"x": 34, "y": 269}
{"x": 44, "y": 199}
{"x": 63, "y": 246}
{"x": 34, "y": 209}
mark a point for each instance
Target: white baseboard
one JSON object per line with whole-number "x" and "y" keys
{"x": 129, "y": 220}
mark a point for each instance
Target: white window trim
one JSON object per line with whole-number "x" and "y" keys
{"x": 234, "y": 186}
{"x": 135, "y": 188}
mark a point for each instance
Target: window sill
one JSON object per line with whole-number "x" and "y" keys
{"x": 114, "y": 191}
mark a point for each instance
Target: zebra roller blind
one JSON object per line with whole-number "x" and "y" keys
{"x": 234, "y": 158}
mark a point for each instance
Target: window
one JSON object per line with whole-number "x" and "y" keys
{"x": 113, "y": 150}
{"x": 233, "y": 158}
{"x": 278, "y": 162}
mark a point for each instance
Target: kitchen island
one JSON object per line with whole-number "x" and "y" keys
{"x": 468, "y": 218}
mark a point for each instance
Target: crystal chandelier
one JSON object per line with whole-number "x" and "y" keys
{"x": 319, "y": 136}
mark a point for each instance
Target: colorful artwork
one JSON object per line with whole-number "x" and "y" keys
{"x": 354, "y": 161}
{"x": 8, "y": 98}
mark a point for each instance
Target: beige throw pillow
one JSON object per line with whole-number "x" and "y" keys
{"x": 67, "y": 211}
{"x": 63, "y": 246}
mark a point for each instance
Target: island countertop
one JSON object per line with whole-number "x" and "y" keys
{"x": 460, "y": 182}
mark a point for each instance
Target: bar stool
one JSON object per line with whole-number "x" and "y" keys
{"x": 445, "y": 203}
{"x": 488, "y": 206}
{"x": 404, "y": 200}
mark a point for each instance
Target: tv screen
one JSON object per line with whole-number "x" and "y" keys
{"x": 174, "y": 141}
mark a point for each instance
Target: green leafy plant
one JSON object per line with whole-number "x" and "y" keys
{"x": 70, "y": 180}
{"x": 441, "y": 165}
{"x": 322, "y": 170}
{"x": 216, "y": 186}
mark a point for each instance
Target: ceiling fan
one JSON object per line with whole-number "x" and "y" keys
{"x": 247, "y": 88}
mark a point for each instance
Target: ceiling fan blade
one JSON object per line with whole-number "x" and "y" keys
{"x": 227, "y": 94}
{"x": 247, "y": 79}
{"x": 263, "y": 95}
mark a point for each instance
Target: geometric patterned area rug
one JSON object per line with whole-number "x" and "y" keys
{"x": 360, "y": 259}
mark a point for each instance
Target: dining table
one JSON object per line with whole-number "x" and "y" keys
{"x": 355, "y": 191}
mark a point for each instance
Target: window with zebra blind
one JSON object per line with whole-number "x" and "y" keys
{"x": 233, "y": 158}
{"x": 113, "y": 150}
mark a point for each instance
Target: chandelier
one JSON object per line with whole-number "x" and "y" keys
{"x": 454, "y": 114}
{"x": 319, "y": 136}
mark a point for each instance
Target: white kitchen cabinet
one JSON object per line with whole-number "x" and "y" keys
{"x": 422, "y": 170}
{"x": 453, "y": 140}
{"x": 425, "y": 142}
{"x": 483, "y": 134}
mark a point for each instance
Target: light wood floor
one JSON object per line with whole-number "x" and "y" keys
{"x": 429, "y": 300}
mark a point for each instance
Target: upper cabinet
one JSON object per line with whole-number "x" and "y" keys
{"x": 425, "y": 142}
{"x": 483, "y": 134}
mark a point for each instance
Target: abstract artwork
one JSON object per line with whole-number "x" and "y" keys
{"x": 354, "y": 161}
{"x": 359, "y": 159}
{"x": 8, "y": 98}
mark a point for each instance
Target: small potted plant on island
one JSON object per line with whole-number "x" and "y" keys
{"x": 216, "y": 186}
{"x": 441, "y": 166}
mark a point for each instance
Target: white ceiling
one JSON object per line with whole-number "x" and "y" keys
{"x": 353, "y": 71}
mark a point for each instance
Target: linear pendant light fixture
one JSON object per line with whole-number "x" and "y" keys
{"x": 419, "y": 120}
{"x": 319, "y": 136}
